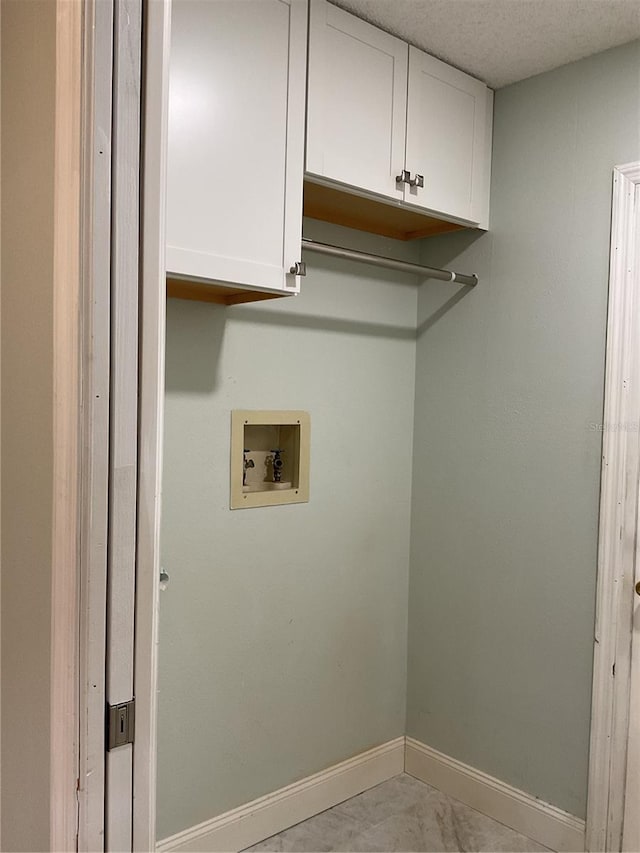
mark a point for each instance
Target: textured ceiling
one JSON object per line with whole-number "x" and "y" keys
{"x": 502, "y": 41}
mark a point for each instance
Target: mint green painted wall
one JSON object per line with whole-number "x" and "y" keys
{"x": 283, "y": 630}
{"x": 509, "y": 388}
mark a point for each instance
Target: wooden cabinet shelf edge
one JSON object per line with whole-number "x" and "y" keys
{"x": 220, "y": 294}
{"x": 331, "y": 202}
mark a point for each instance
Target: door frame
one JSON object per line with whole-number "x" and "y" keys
{"x": 618, "y": 533}
{"x": 618, "y": 506}
{"x": 68, "y": 472}
{"x": 143, "y": 418}
{"x": 95, "y": 316}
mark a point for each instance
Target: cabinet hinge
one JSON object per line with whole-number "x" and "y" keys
{"x": 299, "y": 268}
{"x": 121, "y": 721}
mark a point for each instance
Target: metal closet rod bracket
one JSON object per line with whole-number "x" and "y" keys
{"x": 389, "y": 263}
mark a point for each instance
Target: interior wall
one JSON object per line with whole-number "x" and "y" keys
{"x": 27, "y": 149}
{"x": 283, "y": 629}
{"x": 508, "y": 413}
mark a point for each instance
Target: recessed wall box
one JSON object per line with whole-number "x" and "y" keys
{"x": 269, "y": 458}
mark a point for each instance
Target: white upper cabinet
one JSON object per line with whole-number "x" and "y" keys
{"x": 449, "y": 118}
{"x": 236, "y": 141}
{"x": 357, "y": 102}
{"x": 385, "y": 119}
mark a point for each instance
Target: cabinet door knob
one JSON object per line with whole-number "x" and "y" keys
{"x": 418, "y": 181}
{"x": 404, "y": 177}
{"x": 638, "y": 587}
{"x": 299, "y": 268}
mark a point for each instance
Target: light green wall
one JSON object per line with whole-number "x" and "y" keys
{"x": 506, "y": 455}
{"x": 282, "y": 638}
{"x": 283, "y": 630}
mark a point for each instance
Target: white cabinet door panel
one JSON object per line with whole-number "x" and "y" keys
{"x": 356, "y": 102}
{"x": 236, "y": 128}
{"x": 446, "y": 137}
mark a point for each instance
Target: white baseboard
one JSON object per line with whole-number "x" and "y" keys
{"x": 275, "y": 812}
{"x": 538, "y": 820}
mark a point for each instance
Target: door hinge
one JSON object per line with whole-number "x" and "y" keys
{"x": 121, "y": 720}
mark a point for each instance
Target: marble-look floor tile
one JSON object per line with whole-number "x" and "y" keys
{"x": 481, "y": 833}
{"x": 401, "y": 833}
{"x": 398, "y": 795}
{"x": 402, "y": 815}
{"x": 465, "y": 829}
{"x": 323, "y": 832}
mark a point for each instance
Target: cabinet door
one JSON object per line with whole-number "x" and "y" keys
{"x": 356, "y": 109}
{"x": 236, "y": 141}
{"x": 448, "y": 139}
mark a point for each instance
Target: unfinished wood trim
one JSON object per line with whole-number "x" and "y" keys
{"x": 253, "y": 296}
{"x": 66, "y": 432}
{"x": 220, "y": 294}
{"x": 336, "y": 205}
{"x": 618, "y": 515}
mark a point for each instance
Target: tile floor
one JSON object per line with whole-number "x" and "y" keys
{"x": 402, "y": 814}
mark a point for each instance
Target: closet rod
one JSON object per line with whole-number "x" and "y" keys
{"x": 388, "y": 263}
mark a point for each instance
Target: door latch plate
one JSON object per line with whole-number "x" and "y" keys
{"x": 120, "y": 724}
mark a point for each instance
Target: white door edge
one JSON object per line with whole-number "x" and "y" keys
{"x": 618, "y": 526}
{"x": 157, "y": 27}
{"x": 123, "y": 434}
{"x": 631, "y": 815}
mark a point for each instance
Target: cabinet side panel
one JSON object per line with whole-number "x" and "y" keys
{"x": 482, "y": 167}
{"x": 295, "y": 141}
{"x": 314, "y": 159}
